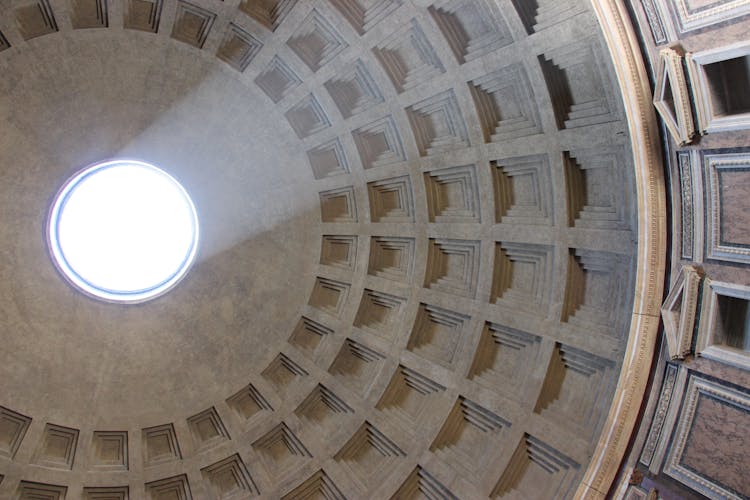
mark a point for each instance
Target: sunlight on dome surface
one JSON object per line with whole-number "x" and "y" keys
{"x": 123, "y": 231}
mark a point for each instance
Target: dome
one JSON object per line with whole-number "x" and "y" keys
{"x": 431, "y": 256}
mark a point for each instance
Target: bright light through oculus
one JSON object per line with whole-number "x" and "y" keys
{"x": 123, "y": 231}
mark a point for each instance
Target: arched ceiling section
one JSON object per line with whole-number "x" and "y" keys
{"x": 419, "y": 248}
{"x": 255, "y": 212}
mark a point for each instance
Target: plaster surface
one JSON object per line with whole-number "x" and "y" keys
{"x": 131, "y": 95}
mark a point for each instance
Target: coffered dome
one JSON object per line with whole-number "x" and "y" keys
{"x": 420, "y": 249}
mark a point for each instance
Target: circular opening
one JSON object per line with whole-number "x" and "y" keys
{"x": 123, "y": 231}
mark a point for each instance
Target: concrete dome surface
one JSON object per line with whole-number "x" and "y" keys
{"x": 426, "y": 230}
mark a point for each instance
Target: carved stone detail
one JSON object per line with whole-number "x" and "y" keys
{"x": 678, "y": 312}
{"x": 671, "y": 99}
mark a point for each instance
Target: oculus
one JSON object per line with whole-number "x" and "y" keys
{"x": 123, "y": 231}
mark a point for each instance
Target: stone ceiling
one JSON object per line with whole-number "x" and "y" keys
{"x": 417, "y": 266}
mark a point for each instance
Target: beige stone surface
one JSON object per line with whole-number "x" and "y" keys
{"x": 395, "y": 207}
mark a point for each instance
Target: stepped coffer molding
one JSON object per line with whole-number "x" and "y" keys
{"x": 721, "y": 87}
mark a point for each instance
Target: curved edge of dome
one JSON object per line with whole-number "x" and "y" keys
{"x": 632, "y": 77}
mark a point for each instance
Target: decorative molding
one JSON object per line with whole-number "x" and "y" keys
{"x": 408, "y": 58}
{"x": 328, "y": 159}
{"x": 410, "y": 396}
{"x": 338, "y": 205}
{"x": 537, "y": 470}
{"x": 392, "y": 258}
{"x": 338, "y": 251}
{"x": 369, "y": 456}
{"x": 13, "y": 427}
{"x": 472, "y": 28}
{"x": 713, "y": 73}
{"x": 720, "y": 337}
{"x": 453, "y": 194}
{"x": 307, "y": 117}
{"x": 357, "y": 366}
{"x": 655, "y": 21}
{"x": 453, "y": 266}
{"x": 379, "y": 313}
{"x": 506, "y": 104}
{"x": 280, "y": 451}
{"x": 238, "y": 47}
{"x": 595, "y": 180}
{"x": 687, "y": 221}
{"x": 28, "y": 490}
{"x": 192, "y": 24}
{"x": 248, "y": 402}
{"x": 110, "y": 450}
{"x": 320, "y": 407}
{"x": 471, "y": 436}
{"x": 58, "y": 447}
{"x": 632, "y": 78}
{"x": 316, "y": 41}
{"x": 379, "y": 143}
{"x": 438, "y": 124}
{"x": 354, "y": 90}
{"x": 672, "y": 100}
{"x": 706, "y": 14}
{"x": 538, "y": 15}
{"x": 176, "y": 487}
{"x": 363, "y": 15}
{"x": 565, "y": 70}
{"x": 522, "y": 190}
{"x": 715, "y": 165}
{"x": 421, "y": 484}
{"x": 283, "y": 372}
{"x": 699, "y": 392}
{"x": 277, "y": 79}
{"x": 88, "y": 14}
{"x": 678, "y": 312}
{"x": 159, "y": 445}
{"x": 316, "y": 486}
{"x": 35, "y": 19}
{"x": 660, "y": 415}
{"x": 229, "y": 478}
{"x": 207, "y": 428}
{"x": 574, "y": 389}
{"x": 268, "y": 13}
{"x": 143, "y": 15}
{"x": 391, "y": 200}
{"x": 637, "y": 493}
{"x": 106, "y": 493}
{"x": 673, "y": 411}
